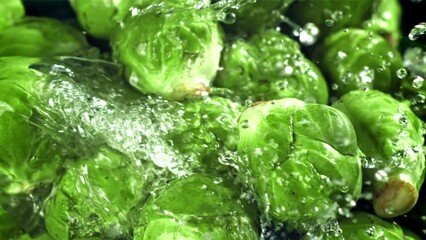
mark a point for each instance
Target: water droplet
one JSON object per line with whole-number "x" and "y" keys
{"x": 341, "y": 55}
{"x": 401, "y": 73}
{"x": 371, "y": 231}
{"x": 329, "y": 22}
{"x": 334, "y": 86}
{"x": 418, "y": 82}
{"x": 229, "y": 18}
{"x": 417, "y": 31}
{"x": 248, "y": 103}
{"x": 381, "y": 176}
{"x": 309, "y": 34}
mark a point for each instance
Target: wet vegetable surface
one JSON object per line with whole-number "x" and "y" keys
{"x": 222, "y": 119}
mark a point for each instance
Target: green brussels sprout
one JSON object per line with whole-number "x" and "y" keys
{"x": 385, "y": 20}
{"x": 174, "y": 55}
{"x": 301, "y": 159}
{"x": 256, "y": 16}
{"x": 10, "y": 12}
{"x": 196, "y": 207}
{"x": 356, "y": 59}
{"x": 207, "y": 131}
{"x": 330, "y": 15}
{"x": 270, "y": 66}
{"x": 391, "y": 137}
{"x": 95, "y": 195}
{"x": 28, "y": 158}
{"x": 364, "y": 226}
{"x": 41, "y": 37}
{"x": 101, "y": 19}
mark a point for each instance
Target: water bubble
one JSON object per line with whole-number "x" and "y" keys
{"x": 329, "y": 22}
{"x": 342, "y": 55}
{"x": 334, "y": 86}
{"x": 418, "y": 82}
{"x": 229, "y": 18}
{"x": 371, "y": 231}
{"x": 248, "y": 103}
{"x": 309, "y": 34}
{"x": 417, "y": 31}
{"x": 401, "y": 73}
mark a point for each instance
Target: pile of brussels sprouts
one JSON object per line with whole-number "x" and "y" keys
{"x": 221, "y": 119}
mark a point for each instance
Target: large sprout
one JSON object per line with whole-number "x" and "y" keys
{"x": 95, "y": 195}
{"x": 196, "y": 207}
{"x": 10, "y": 12}
{"x": 102, "y": 18}
{"x": 175, "y": 55}
{"x": 386, "y": 20}
{"x": 256, "y": 16}
{"x": 330, "y": 15}
{"x": 42, "y": 37}
{"x": 356, "y": 59}
{"x": 301, "y": 160}
{"x": 365, "y": 226}
{"x": 391, "y": 137}
{"x": 270, "y": 66}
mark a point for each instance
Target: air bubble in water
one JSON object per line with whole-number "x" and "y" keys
{"x": 417, "y": 31}
{"x": 401, "y": 73}
{"x": 418, "y": 82}
{"x": 329, "y": 22}
{"x": 309, "y": 34}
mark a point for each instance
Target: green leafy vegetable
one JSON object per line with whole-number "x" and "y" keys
{"x": 270, "y": 66}
{"x": 196, "y": 207}
{"x": 391, "y": 137}
{"x": 301, "y": 160}
{"x": 174, "y": 55}
{"x": 356, "y": 59}
{"x": 41, "y": 37}
{"x": 10, "y": 12}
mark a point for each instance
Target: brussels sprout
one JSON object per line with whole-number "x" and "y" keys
{"x": 10, "y": 12}
{"x": 330, "y": 15}
{"x": 41, "y": 37}
{"x": 385, "y": 20}
{"x": 364, "y": 226}
{"x": 256, "y": 16}
{"x": 28, "y": 159}
{"x": 95, "y": 195}
{"x": 102, "y": 18}
{"x": 99, "y": 18}
{"x": 391, "y": 137}
{"x": 301, "y": 160}
{"x": 208, "y": 131}
{"x": 270, "y": 66}
{"x": 174, "y": 55}
{"x": 196, "y": 207}
{"x": 356, "y": 59}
